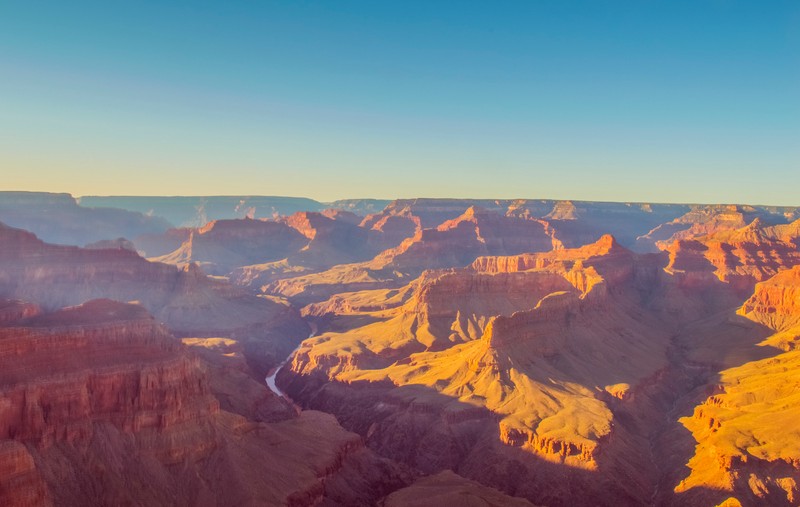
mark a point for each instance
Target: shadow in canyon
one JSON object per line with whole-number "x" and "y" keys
{"x": 639, "y": 462}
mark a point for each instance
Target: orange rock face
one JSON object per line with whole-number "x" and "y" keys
{"x": 746, "y": 431}
{"x": 504, "y": 353}
{"x": 738, "y": 257}
{"x": 776, "y": 302}
{"x": 458, "y": 242}
{"x": 707, "y": 220}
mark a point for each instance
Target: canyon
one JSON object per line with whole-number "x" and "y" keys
{"x": 431, "y": 352}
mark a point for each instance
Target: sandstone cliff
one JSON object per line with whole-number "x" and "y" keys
{"x": 127, "y": 416}
{"x": 705, "y": 220}
{"x": 737, "y": 257}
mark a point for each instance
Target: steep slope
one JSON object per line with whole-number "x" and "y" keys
{"x": 127, "y": 416}
{"x": 335, "y": 238}
{"x": 738, "y": 257}
{"x": 430, "y": 213}
{"x": 746, "y": 431}
{"x": 332, "y": 238}
{"x": 776, "y": 305}
{"x": 156, "y": 245}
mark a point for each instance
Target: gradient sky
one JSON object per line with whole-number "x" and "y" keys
{"x": 637, "y": 100}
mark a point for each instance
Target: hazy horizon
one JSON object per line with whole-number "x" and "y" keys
{"x": 396, "y": 198}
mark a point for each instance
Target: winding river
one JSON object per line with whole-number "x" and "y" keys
{"x": 270, "y": 380}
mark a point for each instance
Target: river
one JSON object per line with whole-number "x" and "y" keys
{"x": 270, "y": 380}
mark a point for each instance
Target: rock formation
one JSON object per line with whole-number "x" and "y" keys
{"x": 738, "y": 257}
{"x": 746, "y": 432}
{"x": 706, "y": 220}
{"x": 507, "y": 354}
{"x": 190, "y": 303}
{"x": 223, "y": 245}
{"x": 128, "y": 412}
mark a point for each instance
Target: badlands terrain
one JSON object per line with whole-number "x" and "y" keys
{"x": 422, "y": 352}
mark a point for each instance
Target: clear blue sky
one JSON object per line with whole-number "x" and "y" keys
{"x": 607, "y": 100}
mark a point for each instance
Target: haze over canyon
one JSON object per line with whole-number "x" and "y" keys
{"x": 417, "y": 352}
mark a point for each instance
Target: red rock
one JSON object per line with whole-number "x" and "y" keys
{"x": 738, "y": 257}
{"x": 706, "y": 220}
{"x": 127, "y": 413}
{"x": 457, "y": 242}
{"x": 776, "y": 302}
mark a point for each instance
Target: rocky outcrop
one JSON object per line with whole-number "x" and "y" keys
{"x": 539, "y": 329}
{"x": 457, "y": 242}
{"x": 222, "y": 245}
{"x": 501, "y": 228}
{"x": 190, "y": 303}
{"x": 393, "y": 228}
{"x": 516, "y": 343}
{"x": 334, "y": 241}
{"x": 572, "y": 223}
{"x": 430, "y": 213}
{"x": 707, "y": 220}
{"x": 342, "y": 216}
{"x": 577, "y": 223}
{"x": 128, "y": 411}
{"x": 776, "y": 302}
{"x": 319, "y": 241}
{"x": 739, "y": 258}
{"x": 747, "y": 441}
{"x": 116, "y": 364}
